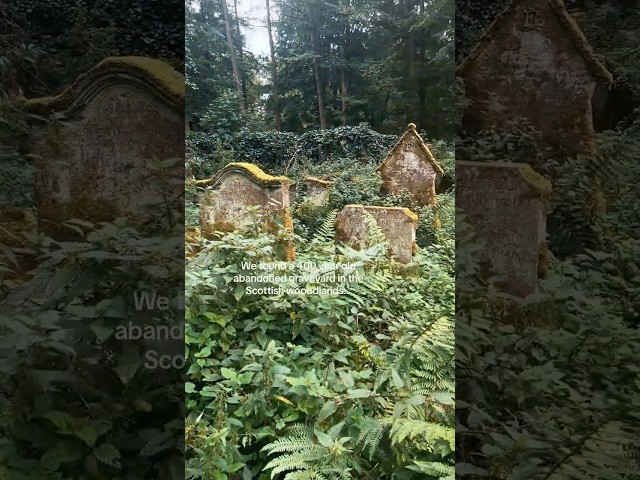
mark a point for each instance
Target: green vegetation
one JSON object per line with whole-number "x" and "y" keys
{"x": 351, "y": 385}
{"x": 356, "y": 383}
{"x": 548, "y": 388}
{"x": 76, "y": 401}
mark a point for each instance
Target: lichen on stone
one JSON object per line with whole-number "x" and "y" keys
{"x": 537, "y": 181}
{"x": 247, "y": 169}
{"x": 318, "y": 181}
{"x": 411, "y": 131}
{"x": 160, "y": 74}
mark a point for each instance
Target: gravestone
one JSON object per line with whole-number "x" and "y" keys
{"x": 317, "y": 191}
{"x": 398, "y": 225}
{"x": 535, "y": 64}
{"x": 506, "y": 204}
{"x": 96, "y": 144}
{"x": 411, "y": 167}
{"x": 236, "y": 187}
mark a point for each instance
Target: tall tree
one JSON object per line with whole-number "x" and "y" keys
{"x": 315, "y": 45}
{"x": 274, "y": 72}
{"x": 232, "y": 52}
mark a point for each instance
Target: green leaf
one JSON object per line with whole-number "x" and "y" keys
{"x": 228, "y": 373}
{"x": 87, "y": 434}
{"x": 107, "y": 454}
{"x": 359, "y": 393}
{"x": 465, "y": 469}
{"x": 397, "y": 381}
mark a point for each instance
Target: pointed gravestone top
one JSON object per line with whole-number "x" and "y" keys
{"x": 535, "y": 64}
{"x": 411, "y": 167}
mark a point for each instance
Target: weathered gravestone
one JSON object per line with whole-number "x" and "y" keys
{"x": 398, "y": 225}
{"x": 506, "y": 204}
{"x": 411, "y": 167}
{"x": 534, "y": 63}
{"x": 236, "y": 187}
{"x": 317, "y": 191}
{"x": 96, "y": 143}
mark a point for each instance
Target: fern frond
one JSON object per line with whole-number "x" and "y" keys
{"x": 325, "y": 235}
{"x": 371, "y": 433}
{"x": 428, "y": 432}
{"x": 601, "y": 453}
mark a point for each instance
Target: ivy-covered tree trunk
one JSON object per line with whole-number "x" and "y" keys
{"x": 274, "y": 72}
{"x": 232, "y": 51}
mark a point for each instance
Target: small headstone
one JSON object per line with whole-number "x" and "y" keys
{"x": 506, "y": 204}
{"x": 535, "y": 64}
{"x": 318, "y": 191}
{"x": 96, "y": 142}
{"x": 411, "y": 167}
{"x": 236, "y": 187}
{"x": 398, "y": 225}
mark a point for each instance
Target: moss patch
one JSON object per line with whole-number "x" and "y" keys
{"x": 158, "y": 73}
{"x": 249, "y": 170}
{"x": 537, "y": 181}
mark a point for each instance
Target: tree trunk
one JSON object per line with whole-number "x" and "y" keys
{"x": 316, "y": 70}
{"x": 240, "y": 53}
{"x": 343, "y": 73}
{"x": 343, "y": 91}
{"x": 232, "y": 51}
{"x": 274, "y": 73}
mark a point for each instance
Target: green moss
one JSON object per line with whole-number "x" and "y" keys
{"x": 252, "y": 171}
{"x": 159, "y": 73}
{"x": 318, "y": 181}
{"x": 537, "y": 181}
{"x": 411, "y": 131}
{"x": 412, "y": 216}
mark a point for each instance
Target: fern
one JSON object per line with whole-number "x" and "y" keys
{"x": 371, "y": 434}
{"x": 324, "y": 237}
{"x": 405, "y": 429}
{"x": 600, "y": 453}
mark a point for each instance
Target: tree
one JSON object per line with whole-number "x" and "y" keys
{"x": 232, "y": 52}
{"x": 274, "y": 72}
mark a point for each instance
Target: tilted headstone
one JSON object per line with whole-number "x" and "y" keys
{"x": 96, "y": 144}
{"x": 397, "y": 224}
{"x": 236, "y": 187}
{"x": 534, "y": 63}
{"x": 506, "y": 204}
{"x": 411, "y": 167}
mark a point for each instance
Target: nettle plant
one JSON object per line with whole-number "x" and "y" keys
{"x": 302, "y": 385}
{"x": 550, "y": 384}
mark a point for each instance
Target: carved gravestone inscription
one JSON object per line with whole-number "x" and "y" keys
{"x": 506, "y": 204}
{"x": 535, "y": 64}
{"x": 411, "y": 167}
{"x": 397, "y": 224}
{"x": 97, "y": 143}
{"x": 236, "y": 187}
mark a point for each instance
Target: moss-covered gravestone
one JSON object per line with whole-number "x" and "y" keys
{"x": 534, "y": 63}
{"x": 506, "y": 204}
{"x": 229, "y": 194}
{"x": 397, "y": 224}
{"x": 98, "y": 143}
{"x": 411, "y": 167}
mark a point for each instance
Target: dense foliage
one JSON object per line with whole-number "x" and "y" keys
{"x": 294, "y": 384}
{"x": 548, "y": 387}
{"x": 357, "y": 384}
{"x": 76, "y": 401}
{"x": 385, "y": 63}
